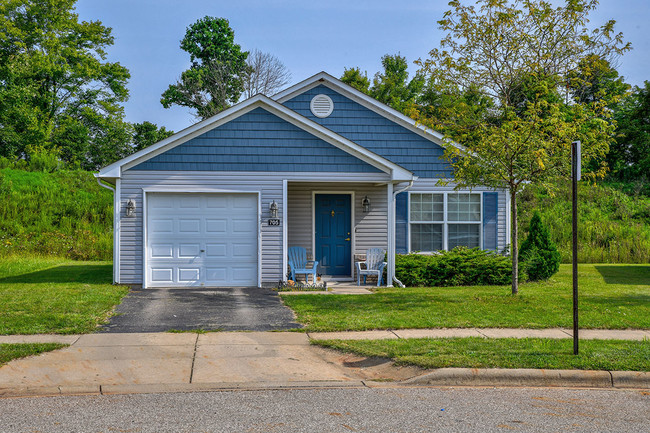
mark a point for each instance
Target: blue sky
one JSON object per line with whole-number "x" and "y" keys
{"x": 307, "y": 36}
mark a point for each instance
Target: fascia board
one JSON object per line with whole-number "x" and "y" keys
{"x": 366, "y": 101}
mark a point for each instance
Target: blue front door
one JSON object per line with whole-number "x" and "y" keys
{"x": 333, "y": 234}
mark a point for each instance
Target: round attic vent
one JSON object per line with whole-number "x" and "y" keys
{"x": 321, "y": 105}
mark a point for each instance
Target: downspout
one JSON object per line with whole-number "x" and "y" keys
{"x": 116, "y": 228}
{"x": 99, "y": 181}
{"x": 392, "y": 263}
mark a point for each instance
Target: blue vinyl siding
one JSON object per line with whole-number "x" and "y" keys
{"x": 401, "y": 223}
{"x": 257, "y": 141}
{"x": 376, "y": 133}
{"x": 490, "y": 213}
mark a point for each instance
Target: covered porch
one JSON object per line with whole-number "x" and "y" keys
{"x": 337, "y": 222}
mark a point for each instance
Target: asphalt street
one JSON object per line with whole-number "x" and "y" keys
{"x": 482, "y": 410}
{"x": 224, "y": 309}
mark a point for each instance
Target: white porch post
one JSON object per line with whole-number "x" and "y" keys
{"x": 390, "y": 273}
{"x": 285, "y": 233}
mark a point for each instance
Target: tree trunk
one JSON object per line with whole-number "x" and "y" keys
{"x": 514, "y": 241}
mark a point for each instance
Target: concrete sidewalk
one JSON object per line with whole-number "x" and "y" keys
{"x": 555, "y": 333}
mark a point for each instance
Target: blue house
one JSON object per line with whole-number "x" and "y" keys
{"x": 319, "y": 165}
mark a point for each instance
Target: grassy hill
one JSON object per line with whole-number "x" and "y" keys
{"x": 65, "y": 213}
{"x": 612, "y": 226}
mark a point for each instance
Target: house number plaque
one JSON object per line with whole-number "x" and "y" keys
{"x": 274, "y": 221}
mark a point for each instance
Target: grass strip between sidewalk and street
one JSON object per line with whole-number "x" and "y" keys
{"x": 610, "y": 297}
{"x": 48, "y": 295}
{"x": 476, "y": 352}
{"x": 10, "y": 352}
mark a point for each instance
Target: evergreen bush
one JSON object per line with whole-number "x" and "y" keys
{"x": 538, "y": 254}
{"x": 459, "y": 267}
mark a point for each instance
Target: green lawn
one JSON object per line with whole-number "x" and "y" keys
{"x": 14, "y": 351}
{"x": 610, "y": 296}
{"x": 504, "y": 353}
{"x": 54, "y": 295}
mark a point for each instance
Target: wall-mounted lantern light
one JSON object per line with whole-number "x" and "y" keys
{"x": 130, "y": 208}
{"x": 365, "y": 203}
{"x": 273, "y": 208}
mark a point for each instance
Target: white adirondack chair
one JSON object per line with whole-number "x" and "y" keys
{"x": 373, "y": 265}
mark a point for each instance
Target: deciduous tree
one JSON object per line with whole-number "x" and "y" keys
{"x": 518, "y": 53}
{"x": 146, "y": 133}
{"x": 216, "y": 77}
{"x": 56, "y": 87}
{"x": 267, "y": 74}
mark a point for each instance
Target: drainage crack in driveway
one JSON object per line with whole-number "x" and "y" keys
{"x": 196, "y": 344}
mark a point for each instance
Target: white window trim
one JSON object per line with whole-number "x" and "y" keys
{"x": 445, "y": 221}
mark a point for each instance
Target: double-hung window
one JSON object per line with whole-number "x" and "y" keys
{"x": 443, "y": 221}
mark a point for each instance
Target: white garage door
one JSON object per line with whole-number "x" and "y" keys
{"x": 201, "y": 240}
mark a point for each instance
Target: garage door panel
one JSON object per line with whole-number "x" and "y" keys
{"x": 189, "y": 250}
{"x": 189, "y": 225}
{"x": 162, "y": 251}
{"x": 189, "y": 275}
{"x": 218, "y": 250}
{"x": 189, "y": 202}
{"x": 216, "y": 226}
{"x": 162, "y": 275}
{"x": 202, "y": 239}
{"x": 242, "y": 226}
{"x": 244, "y": 249}
{"x": 216, "y": 274}
{"x": 160, "y": 225}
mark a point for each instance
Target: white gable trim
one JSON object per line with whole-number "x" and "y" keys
{"x": 397, "y": 173}
{"x": 325, "y": 79}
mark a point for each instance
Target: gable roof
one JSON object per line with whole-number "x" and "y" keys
{"x": 323, "y": 78}
{"x": 397, "y": 172}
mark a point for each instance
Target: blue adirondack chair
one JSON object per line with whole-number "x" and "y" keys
{"x": 373, "y": 265}
{"x": 300, "y": 265}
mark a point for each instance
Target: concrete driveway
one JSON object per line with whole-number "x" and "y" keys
{"x": 225, "y": 309}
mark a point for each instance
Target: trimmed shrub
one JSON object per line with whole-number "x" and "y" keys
{"x": 538, "y": 255}
{"x": 459, "y": 267}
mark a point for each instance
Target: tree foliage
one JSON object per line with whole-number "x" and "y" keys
{"x": 629, "y": 157}
{"x": 146, "y": 133}
{"x": 356, "y": 79}
{"x": 514, "y": 56}
{"x": 216, "y": 77}
{"x": 267, "y": 74}
{"x": 392, "y": 86}
{"x": 56, "y": 88}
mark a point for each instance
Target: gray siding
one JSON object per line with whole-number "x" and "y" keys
{"x": 257, "y": 141}
{"x": 370, "y": 228}
{"x": 270, "y": 186}
{"x": 376, "y": 133}
{"x": 429, "y": 185}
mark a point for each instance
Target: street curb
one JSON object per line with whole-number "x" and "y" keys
{"x": 631, "y": 379}
{"x": 157, "y": 388}
{"x": 532, "y": 378}
{"x": 441, "y": 377}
